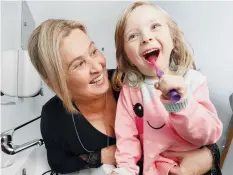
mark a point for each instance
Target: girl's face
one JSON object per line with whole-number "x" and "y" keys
{"x": 147, "y": 35}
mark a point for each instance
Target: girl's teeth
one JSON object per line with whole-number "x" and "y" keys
{"x": 150, "y": 51}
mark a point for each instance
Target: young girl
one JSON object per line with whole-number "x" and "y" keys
{"x": 147, "y": 121}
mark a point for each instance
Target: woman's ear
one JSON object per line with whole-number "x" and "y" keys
{"x": 48, "y": 83}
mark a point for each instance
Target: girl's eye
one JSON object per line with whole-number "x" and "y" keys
{"x": 133, "y": 36}
{"x": 155, "y": 26}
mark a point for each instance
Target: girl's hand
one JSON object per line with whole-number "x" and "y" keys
{"x": 195, "y": 162}
{"x": 170, "y": 82}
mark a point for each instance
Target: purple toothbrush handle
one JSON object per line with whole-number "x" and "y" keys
{"x": 174, "y": 96}
{"x": 160, "y": 73}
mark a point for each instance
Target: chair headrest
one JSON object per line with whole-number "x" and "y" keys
{"x": 231, "y": 101}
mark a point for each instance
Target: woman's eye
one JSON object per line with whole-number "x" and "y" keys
{"x": 80, "y": 64}
{"x": 132, "y": 36}
{"x": 94, "y": 52}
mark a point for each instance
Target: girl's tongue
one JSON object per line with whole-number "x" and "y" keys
{"x": 152, "y": 55}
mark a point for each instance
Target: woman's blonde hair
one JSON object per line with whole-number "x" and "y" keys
{"x": 180, "y": 54}
{"x": 44, "y": 51}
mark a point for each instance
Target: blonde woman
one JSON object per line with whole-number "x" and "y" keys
{"x": 77, "y": 124}
{"x": 148, "y": 122}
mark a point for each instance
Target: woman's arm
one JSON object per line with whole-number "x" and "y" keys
{"x": 106, "y": 156}
{"x": 196, "y": 162}
{"x": 61, "y": 162}
{"x": 214, "y": 149}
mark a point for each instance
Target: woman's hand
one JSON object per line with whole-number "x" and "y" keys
{"x": 108, "y": 155}
{"x": 170, "y": 82}
{"x": 195, "y": 162}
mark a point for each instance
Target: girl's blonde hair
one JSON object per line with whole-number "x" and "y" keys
{"x": 180, "y": 54}
{"x": 44, "y": 51}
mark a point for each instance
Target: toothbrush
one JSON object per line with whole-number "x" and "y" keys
{"x": 173, "y": 94}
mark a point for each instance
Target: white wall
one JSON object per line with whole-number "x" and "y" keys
{"x": 11, "y": 22}
{"x": 23, "y": 111}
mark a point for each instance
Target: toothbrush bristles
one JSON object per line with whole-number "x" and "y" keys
{"x": 158, "y": 71}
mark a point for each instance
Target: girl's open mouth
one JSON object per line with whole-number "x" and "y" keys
{"x": 151, "y": 54}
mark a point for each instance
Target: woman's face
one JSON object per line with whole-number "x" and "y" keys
{"x": 85, "y": 66}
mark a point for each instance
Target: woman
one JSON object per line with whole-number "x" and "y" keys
{"x": 77, "y": 125}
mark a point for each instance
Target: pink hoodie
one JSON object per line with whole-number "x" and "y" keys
{"x": 147, "y": 125}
